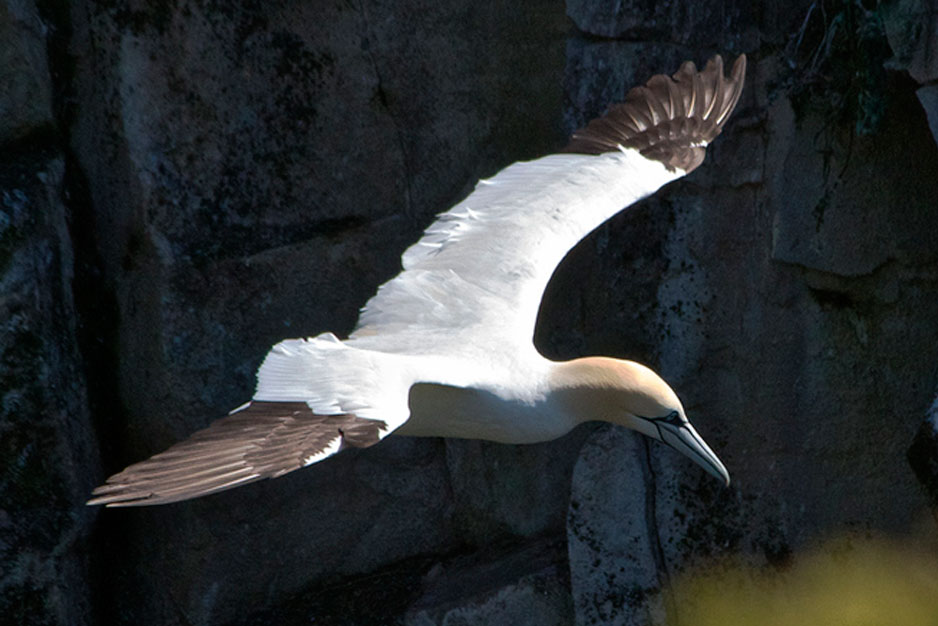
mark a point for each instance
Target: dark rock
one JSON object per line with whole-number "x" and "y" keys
{"x": 238, "y": 174}
{"x": 923, "y": 455}
{"x": 793, "y": 329}
{"x": 525, "y": 585}
{"x": 697, "y": 25}
{"x": 912, "y": 29}
{"x": 928, "y": 96}
{"x": 48, "y": 455}
{"x": 256, "y": 172}
{"x": 493, "y": 493}
{"x": 25, "y": 85}
{"x": 832, "y": 180}
{"x": 614, "y": 555}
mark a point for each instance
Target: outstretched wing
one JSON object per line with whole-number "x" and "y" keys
{"x": 315, "y": 397}
{"x": 260, "y": 440}
{"x": 475, "y": 279}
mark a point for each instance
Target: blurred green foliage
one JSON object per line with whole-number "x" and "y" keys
{"x": 846, "y": 583}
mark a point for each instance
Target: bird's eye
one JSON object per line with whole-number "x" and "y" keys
{"x": 673, "y": 418}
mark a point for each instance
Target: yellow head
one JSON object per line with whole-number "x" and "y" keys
{"x": 632, "y": 395}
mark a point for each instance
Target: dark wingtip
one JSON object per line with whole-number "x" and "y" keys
{"x": 262, "y": 439}
{"x": 671, "y": 118}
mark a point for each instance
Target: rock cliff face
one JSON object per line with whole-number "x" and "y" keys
{"x": 184, "y": 184}
{"x": 48, "y": 454}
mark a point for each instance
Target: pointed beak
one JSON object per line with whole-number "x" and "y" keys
{"x": 683, "y": 438}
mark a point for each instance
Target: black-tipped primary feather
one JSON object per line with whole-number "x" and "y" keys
{"x": 262, "y": 440}
{"x": 668, "y": 119}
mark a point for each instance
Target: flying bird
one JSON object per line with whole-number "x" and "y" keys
{"x": 445, "y": 349}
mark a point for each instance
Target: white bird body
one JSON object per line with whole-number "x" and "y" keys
{"x": 445, "y": 348}
{"x": 462, "y": 313}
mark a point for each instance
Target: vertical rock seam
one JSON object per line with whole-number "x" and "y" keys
{"x": 368, "y": 35}
{"x": 654, "y": 537}
{"x": 923, "y": 456}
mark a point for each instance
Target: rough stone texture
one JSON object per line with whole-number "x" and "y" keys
{"x": 792, "y": 315}
{"x": 494, "y": 492}
{"x": 928, "y": 96}
{"x": 613, "y": 555}
{"x": 48, "y": 454}
{"x": 256, "y": 172}
{"x": 676, "y": 23}
{"x": 868, "y": 182}
{"x": 25, "y": 85}
{"x": 923, "y": 455}
{"x": 48, "y": 457}
{"x": 529, "y": 585}
{"x": 234, "y": 175}
{"x": 912, "y": 29}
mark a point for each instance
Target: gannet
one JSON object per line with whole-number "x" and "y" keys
{"x": 445, "y": 349}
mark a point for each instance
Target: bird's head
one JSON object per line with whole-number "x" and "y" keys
{"x": 632, "y": 395}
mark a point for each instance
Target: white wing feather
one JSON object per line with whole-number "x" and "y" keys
{"x": 475, "y": 279}
{"x": 333, "y": 378}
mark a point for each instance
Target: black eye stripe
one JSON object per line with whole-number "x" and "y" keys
{"x": 672, "y": 419}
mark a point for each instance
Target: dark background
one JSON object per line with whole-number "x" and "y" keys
{"x": 184, "y": 184}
